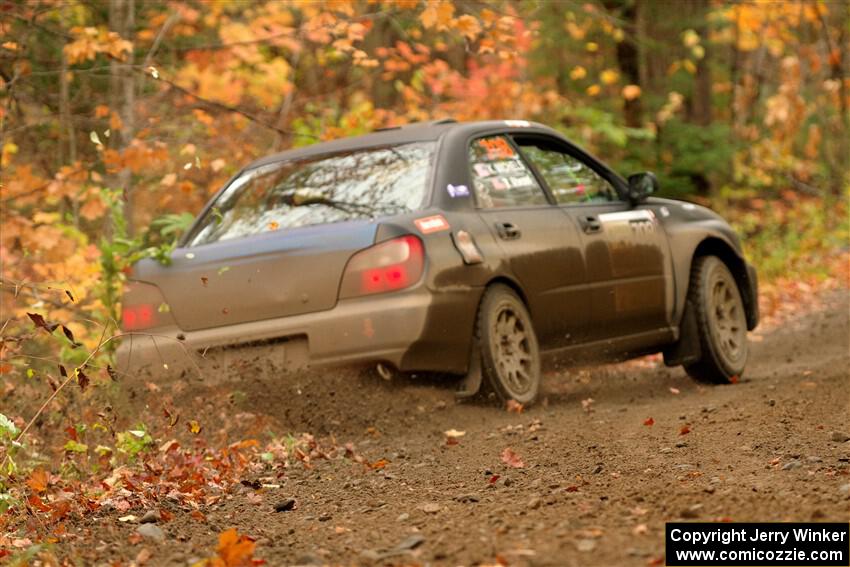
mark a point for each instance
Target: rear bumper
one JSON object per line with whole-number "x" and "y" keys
{"x": 405, "y": 329}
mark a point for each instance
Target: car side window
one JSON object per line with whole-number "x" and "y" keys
{"x": 570, "y": 179}
{"x": 500, "y": 177}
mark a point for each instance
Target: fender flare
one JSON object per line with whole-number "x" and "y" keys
{"x": 717, "y": 241}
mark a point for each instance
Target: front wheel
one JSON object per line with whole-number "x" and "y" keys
{"x": 510, "y": 354}
{"x": 721, "y": 322}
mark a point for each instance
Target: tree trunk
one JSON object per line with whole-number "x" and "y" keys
{"x": 628, "y": 55}
{"x": 123, "y": 97}
{"x": 700, "y": 107}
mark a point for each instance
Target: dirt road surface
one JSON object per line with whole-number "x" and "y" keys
{"x": 597, "y": 484}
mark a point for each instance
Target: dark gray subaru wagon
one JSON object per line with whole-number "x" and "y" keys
{"x": 461, "y": 248}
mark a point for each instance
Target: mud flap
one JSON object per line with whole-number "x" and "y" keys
{"x": 687, "y": 348}
{"x": 471, "y": 383}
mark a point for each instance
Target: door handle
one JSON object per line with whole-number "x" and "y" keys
{"x": 590, "y": 224}
{"x": 508, "y": 230}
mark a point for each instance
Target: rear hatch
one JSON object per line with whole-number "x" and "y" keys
{"x": 276, "y": 240}
{"x": 256, "y": 278}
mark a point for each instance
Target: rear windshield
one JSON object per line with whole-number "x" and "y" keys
{"x": 363, "y": 184}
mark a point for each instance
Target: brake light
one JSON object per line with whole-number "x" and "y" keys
{"x": 135, "y": 317}
{"x": 388, "y": 266}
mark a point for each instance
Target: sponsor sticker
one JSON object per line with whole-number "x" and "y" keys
{"x": 629, "y": 216}
{"x": 496, "y": 148}
{"x": 436, "y": 223}
{"x": 457, "y": 190}
{"x": 517, "y": 123}
{"x": 483, "y": 169}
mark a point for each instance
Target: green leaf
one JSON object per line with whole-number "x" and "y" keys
{"x": 133, "y": 441}
{"x": 75, "y": 447}
{"x": 7, "y": 427}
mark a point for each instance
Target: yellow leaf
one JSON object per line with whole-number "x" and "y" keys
{"x": 45, "y": 218}
{"x": 631, "y": 92}
{"x": 9, "y": 149}
{"x": 468, "y": 26}
{"x": 578, "y": 72}
{"x": 609, "y": 76}
{"x": 593, "y": 90}
{"x": 690, "y": 38}
{"x": 437, "y": 14}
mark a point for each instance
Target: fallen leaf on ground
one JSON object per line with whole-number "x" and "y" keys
{"x": 649, "y": 422}
{"x": 514, "y": 406}
{"x": 38, "y": 480}
{"x": 674, "y": 390}
{"x": 512, "y": 459}
{"x": 684, "y": 430}
{"x": 235, "y": 550}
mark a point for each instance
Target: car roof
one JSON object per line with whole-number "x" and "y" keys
{"x": 395, "y": 135}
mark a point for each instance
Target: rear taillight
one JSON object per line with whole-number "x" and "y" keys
{"x": 135, "y": 317}
{"x": 388, "y": 266}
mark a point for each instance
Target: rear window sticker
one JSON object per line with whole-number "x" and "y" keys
{"x": 521, "y": 181}
{"x": 436, "y": 223}
{"x": 457, "y": 190}
{"x": 507, "y": 166}
{"x": 483, "y": 169}
{"x": 497, "y": 148}
{"x": 499, "y": 183}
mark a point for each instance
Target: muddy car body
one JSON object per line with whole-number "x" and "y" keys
{"x": 464, "y": 248}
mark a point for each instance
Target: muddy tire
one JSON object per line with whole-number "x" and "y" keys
{"x": 721, "y": 322}
{"x": 510, "y": 355}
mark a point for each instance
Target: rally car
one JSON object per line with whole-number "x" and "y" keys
{"x": 460, "y": 248}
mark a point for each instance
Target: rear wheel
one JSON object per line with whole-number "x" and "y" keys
{"x": 510, "y": 354}
{"x": 721, "y": 322}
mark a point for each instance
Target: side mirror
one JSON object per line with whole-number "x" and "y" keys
{"x": 641, "y": 186}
